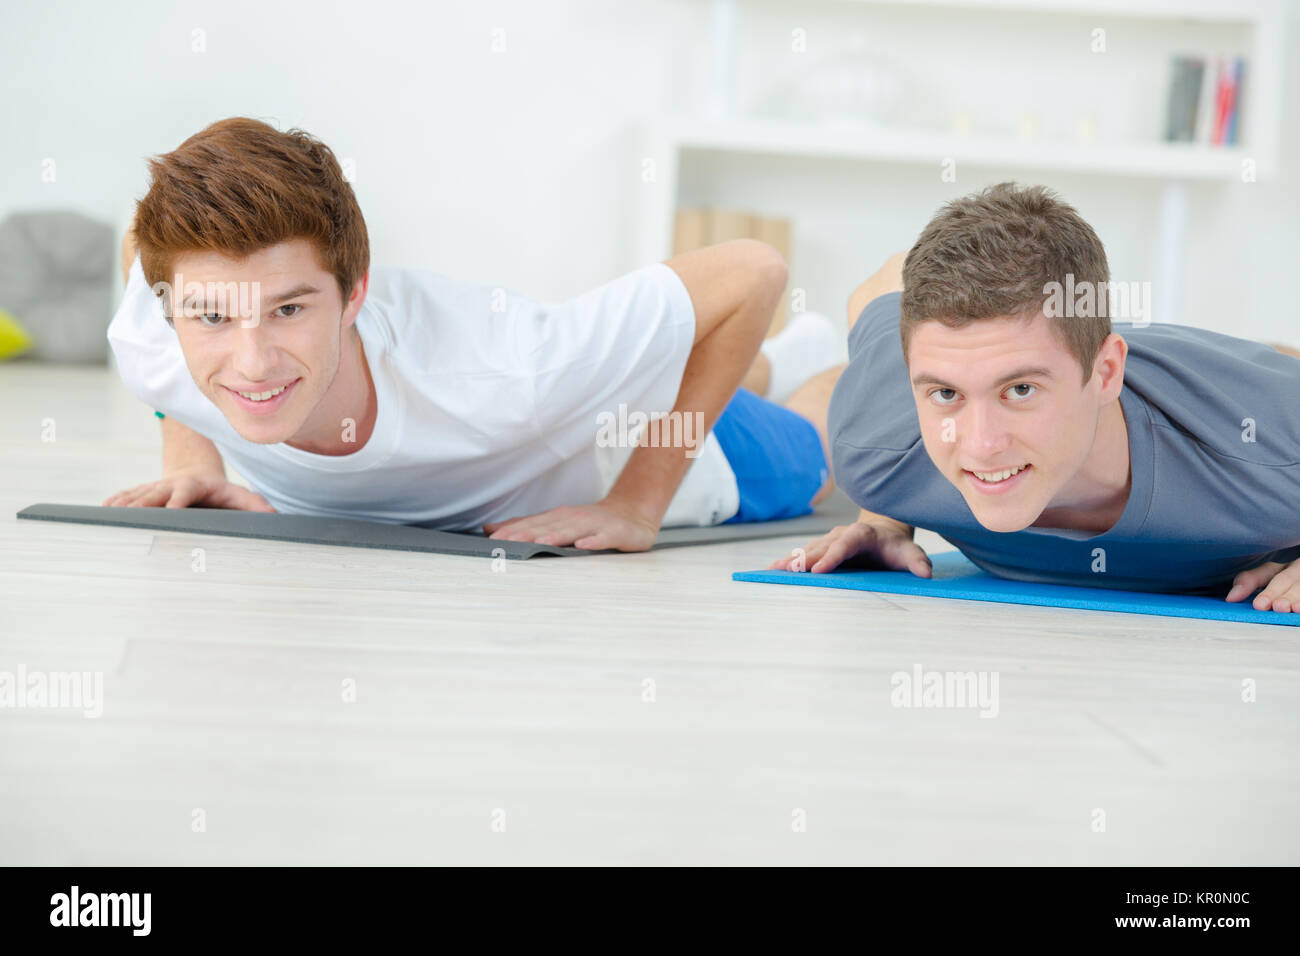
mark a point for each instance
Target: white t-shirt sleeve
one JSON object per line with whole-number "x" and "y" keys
{"x": 141, "y": 339}
{"x": 625, "y": 342}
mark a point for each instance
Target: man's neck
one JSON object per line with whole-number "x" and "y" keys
{"x": 1095, "y": 498}
{"x": 350, "y": 396}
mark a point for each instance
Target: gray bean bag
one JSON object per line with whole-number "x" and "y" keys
{"x": 57, "y": 279}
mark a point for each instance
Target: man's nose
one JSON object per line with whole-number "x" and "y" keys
{"x": 254, "y": 349}
{"x": 983, "y": 431}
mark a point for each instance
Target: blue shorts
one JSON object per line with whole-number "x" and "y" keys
{"x": 777, "y": 457}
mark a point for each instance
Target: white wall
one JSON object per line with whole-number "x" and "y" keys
{"x": 522, "y": 168}
{"x": 506, "y": 168}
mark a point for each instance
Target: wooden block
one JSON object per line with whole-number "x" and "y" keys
{"x": 728, "y": 224}
{"x": 691, "y": 230}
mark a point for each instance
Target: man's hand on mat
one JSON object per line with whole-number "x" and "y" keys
{"x": 1283, "y": 586}
{"x": 882, "y": 543}
{"x": 591, "y": 527}
{"x": 187, "y": 491}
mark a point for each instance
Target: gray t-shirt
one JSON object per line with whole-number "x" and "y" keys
{"x": 1204, "y": 504}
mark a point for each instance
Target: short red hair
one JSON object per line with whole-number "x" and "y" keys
{"x": 239, "y": 186}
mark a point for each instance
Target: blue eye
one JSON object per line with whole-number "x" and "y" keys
{"x": 938, "y": 390}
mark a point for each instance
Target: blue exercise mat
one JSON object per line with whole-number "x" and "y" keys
{"x": 956, "y": 577}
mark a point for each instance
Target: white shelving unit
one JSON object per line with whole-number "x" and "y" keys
{"x": 1170, "y": 166}
{"x": 1165, "y": 161}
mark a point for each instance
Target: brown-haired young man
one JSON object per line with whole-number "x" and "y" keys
{"x": 1043, "y": 443}
{"x": 253, "y": 323}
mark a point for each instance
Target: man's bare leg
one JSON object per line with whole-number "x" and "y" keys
{"x": 813, "y": 398}
{"x": 812, "y": 401}
{"x": 759, "y": 376}
{"x": 809, "y": 343}
{"x": 888, "y": 278}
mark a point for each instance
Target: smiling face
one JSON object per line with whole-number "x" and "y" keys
{"x": 268, "y": 326}
{"x": 1001, "y": 396}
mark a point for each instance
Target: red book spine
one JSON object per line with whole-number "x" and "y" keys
{"x": 1223, "y": 102}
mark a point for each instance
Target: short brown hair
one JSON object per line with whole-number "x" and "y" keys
{"x": 239, "y": 186}
{"x": 993, "y": 253}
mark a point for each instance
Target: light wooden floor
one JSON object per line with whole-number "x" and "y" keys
{"x": 517, "y": 696}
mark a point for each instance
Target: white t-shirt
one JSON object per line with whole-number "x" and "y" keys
{"x": 489, "y": 404}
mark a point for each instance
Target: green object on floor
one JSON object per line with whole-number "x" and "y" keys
{"x": 160, "y": 414}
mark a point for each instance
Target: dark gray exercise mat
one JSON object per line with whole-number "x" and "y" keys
{"x": 352, "y": 533}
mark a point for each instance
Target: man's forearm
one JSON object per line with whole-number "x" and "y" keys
{"x": 716, "y": 365}
{"x": 713, "y": 372}
{"x": 185, "y": 450}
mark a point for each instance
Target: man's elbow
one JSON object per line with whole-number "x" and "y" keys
{"x": 764, "y": 272}
{"x": 738, "y": 282}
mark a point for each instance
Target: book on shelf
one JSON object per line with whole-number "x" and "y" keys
{"x": 1205, "y": 99}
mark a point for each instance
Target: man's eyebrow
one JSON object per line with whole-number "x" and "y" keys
{"x": 1029, "y": 371}
{"x": 298, "y": 291}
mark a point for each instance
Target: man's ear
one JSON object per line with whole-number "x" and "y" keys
{"x": 356, "y": 299}
{"x": 1109, "y": 366}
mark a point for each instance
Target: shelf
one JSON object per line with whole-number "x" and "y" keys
{"x": 1169, "y": 168}
{"x": 764, "y": 137}
{"x": 1215, "y": 11}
